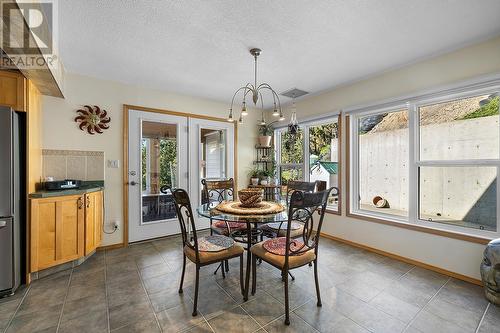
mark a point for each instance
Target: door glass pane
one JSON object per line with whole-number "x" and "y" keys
{"x": 383, "y": 163}
{"x": 213, "y": 154}
{"x": 459, "y": 130}
{"x": 292, "y": 147}
{"x": 464, "y": 196}
{"x": 213, "y": 160}
{"x": 158, "y": 170}
{"x": 324, "y": 156}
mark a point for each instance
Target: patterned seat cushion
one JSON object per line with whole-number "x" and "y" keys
{"x": 232, "y": 225}
{"x": 296, "y": 229}
{"x": 208, "y": 257}
{"x": 214, "y": 243}
{"x": 279, "y": 260}
{"x": 277, "y": 246}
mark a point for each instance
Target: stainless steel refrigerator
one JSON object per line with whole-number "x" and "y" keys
{"x": 11, "y": 198}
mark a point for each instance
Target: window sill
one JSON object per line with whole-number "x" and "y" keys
{"x": 439, "y": 232}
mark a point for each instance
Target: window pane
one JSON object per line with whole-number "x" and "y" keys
{"x": 292, "y": 147}
{"x": 464, "y": 196}
{"x": 383, "y": 163}
{"x": 323, "y": 156}
{"x": 158, "y": 168}
{"x": 462, "y": 129}
{"x": 288, "y": 173}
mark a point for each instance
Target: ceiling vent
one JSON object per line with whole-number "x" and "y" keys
{"x": 294, "y": 93}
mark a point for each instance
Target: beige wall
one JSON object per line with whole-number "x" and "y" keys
{"x": 451, "y": 254}
{"x": 61, "y": 132}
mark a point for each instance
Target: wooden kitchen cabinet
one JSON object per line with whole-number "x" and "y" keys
{"x": 57, "y": 230}
{"x": 64, "y": 228}
{"x": 13, "y": 90}
{"x": 93, "y": 221}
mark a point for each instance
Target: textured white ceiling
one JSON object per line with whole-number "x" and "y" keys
{"x": 200, "y": 48}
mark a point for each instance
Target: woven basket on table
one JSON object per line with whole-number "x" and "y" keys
{"x": 250, "y": 197}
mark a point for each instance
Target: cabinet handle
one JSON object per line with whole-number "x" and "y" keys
{"x": 87, "y": 201}
{"x": 80, "y": 203}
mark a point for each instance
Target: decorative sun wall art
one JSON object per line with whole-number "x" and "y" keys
{"x": 93, "y": 120}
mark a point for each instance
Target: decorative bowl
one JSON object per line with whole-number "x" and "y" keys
{"x": 250, "y": 197}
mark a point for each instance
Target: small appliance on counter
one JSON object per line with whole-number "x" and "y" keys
{"x": 57, "y": 185}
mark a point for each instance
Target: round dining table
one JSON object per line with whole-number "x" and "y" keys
{"x": 248, "y": 235}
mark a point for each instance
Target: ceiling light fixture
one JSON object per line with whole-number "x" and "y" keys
{"x": 256, "y": 92}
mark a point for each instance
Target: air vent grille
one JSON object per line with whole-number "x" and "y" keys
{"x": 294, "y": 93}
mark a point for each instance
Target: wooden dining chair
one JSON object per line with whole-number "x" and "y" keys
{"x": 286, "y": 253}
{"x": 202, "y": 251}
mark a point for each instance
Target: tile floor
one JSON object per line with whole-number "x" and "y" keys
{"x": 135, "y": 290}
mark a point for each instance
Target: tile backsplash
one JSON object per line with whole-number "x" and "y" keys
{"x": 73, "y": 164}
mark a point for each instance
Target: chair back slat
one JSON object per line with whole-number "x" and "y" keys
{"x": 186, "y": 219}
{"x": 217, "y": 190}
{"x": 296, "y": 185}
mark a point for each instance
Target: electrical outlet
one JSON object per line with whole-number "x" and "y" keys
{"x": 113, "y": 164}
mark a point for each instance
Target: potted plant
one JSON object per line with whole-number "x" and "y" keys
{"x": 254, "y": 175}
{"x": 266, "y": 175}
{"x": 265, "y": 134}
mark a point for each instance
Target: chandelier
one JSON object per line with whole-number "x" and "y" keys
{"x": 256, "y": 92}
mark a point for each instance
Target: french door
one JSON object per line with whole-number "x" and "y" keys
{"x": 211, "y": 157}
{"x": 158, "y": 161}
{"x": 168, "y": 151}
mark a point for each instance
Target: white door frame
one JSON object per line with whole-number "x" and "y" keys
{"x": 195, "y": 158}
{"x": 139, "y": 231}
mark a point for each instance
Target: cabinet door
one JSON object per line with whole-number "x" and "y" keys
{"x": 93, "y": 221}
{"x": 12, "y": 90}
{"x": 99, "y": 216}
{"x": 89, "y": 224}
{"x": 56, "y": 231}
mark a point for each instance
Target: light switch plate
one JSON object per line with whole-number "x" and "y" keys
{"x": 113, "y": 164}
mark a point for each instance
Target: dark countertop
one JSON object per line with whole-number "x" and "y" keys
{"x": 86, "y": 187}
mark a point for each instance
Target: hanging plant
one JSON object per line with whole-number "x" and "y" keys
{"x": 93, "y": 120}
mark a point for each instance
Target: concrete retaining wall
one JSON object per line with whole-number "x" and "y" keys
{"x": 458, "y": 193}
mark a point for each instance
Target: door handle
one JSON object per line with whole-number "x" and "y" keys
{"x": 133, "y": 183}
{"x": 3, "y": 224}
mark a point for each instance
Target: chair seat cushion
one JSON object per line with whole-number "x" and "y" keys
{"x": 232, "y": 225}
{"x": 279, "y": 260}
{"x": 278, "y": 246}
{"x": 205, "y": 257}
{"x": 296, "y": 229}
{"x": 214, "y": 243}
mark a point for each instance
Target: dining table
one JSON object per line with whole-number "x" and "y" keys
{"x": 249, "y": 235}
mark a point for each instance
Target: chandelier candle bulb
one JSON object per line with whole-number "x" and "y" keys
{"x": 244, "y": 109}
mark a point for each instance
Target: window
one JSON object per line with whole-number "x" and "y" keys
{"x": 323, "y": 156}
{"x": 430, "y": 160}
{"x": 383, "y": 163}
{"x": 313, "y": 155}
{"x": 458, "y": 139}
